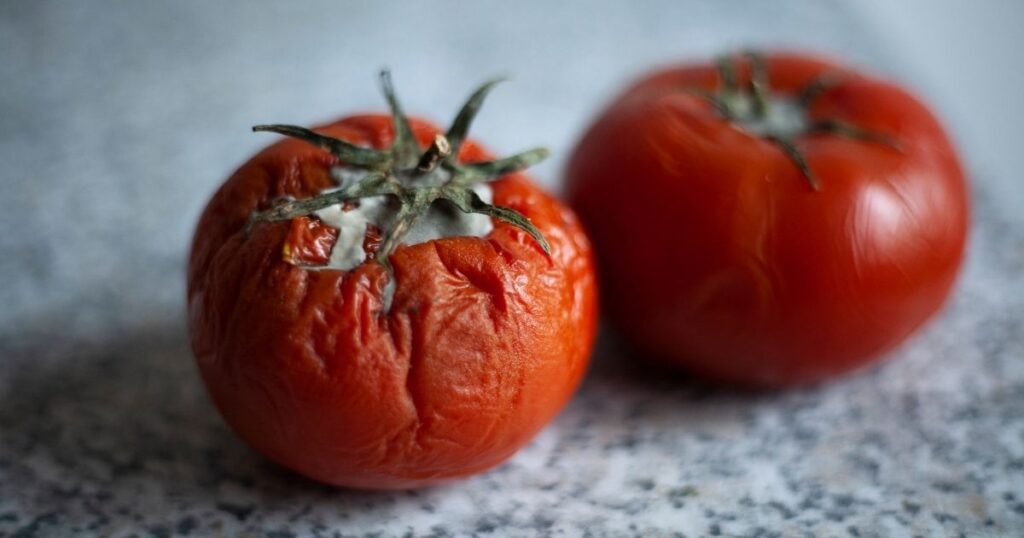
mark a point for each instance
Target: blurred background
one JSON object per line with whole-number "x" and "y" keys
{"x": 118, "y": 119}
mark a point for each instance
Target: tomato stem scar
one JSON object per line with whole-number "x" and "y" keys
{"x": 415, "y": 179}
{"x": 781, "y": 120}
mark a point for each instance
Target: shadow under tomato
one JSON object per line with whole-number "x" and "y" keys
{"x": 616, "y": 361}
{"x": 629, "y": 401}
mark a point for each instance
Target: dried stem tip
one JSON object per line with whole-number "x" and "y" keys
{"x": 437, "y": 151}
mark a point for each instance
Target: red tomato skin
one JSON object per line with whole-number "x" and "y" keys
{"x": 714, "y": 253}
{"x": 485, "y": 341}
{"x": 309, "y": 242}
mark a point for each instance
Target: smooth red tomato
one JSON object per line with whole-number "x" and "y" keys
{"x": 484, "y": 341}
{"x": 770, "y": 221}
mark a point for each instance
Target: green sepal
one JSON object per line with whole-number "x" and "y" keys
{"x": 468, "y": 201}
{"x": 405, "y": 148}
{"x": 346, "y": 152}
{"x": 491, "y": 170}
{"x": 372, "y": 185}
{"x": 460, "y": 126}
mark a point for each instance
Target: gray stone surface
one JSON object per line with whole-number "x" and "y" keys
{"x": 117, "y": 120}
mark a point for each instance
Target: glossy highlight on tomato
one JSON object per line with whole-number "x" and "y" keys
{"x": 483, "y": 342}
{"x": 769, "y": 220}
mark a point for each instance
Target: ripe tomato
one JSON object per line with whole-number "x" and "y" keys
{"x": 436, "y": 360}
{"x": 770, "y": 220}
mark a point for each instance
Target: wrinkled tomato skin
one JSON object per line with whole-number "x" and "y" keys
{"x": 716, "y": 255}
{"x": 486, "y": 339}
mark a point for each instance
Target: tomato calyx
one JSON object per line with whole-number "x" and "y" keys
{"x": 413, "y": 178}
{"x": 778, "y": 118}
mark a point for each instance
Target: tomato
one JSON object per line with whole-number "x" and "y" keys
{"x": 423, "y": 362}
{"x": 769, "y": 220}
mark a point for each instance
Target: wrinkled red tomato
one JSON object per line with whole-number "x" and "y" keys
{"x": 770, "y": 220}
{"x": 422, "y": 362}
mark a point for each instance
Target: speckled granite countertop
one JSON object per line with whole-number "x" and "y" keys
{"x": 116, "y": 124}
